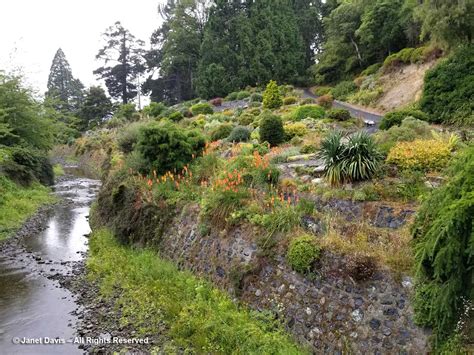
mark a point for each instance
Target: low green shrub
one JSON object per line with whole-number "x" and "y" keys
{"x": 371, "y": 69}
{"x": 246, "y": 119}
{"x": 167, "y": 147}
{"x": 342, "y": 90}
{"x": 322, "y": 90}
{"x": 271, "y": 129}
{"x": 339, "y": 114}
{"x": 256, "y": 97}
{"x": 221, "y": 132}
{"x": 176, "y": 116}
{"x": 243, "y": 95}
{"x": 366, "y": 97}
{"x": 128, "y": 137}
{"x": 154, "y": 109}
{"x": 232, "y": 96}
{"x": 125, "y": 111}
{"x": 408, "y": 131}
{"x": 290, "y": 100}
{"x": 308, "y": 149}
{"x": 305, "y": 111}
{"x": 302, "y": 253}
{"x": 203, "y": 108}
{"x": 272, "y": 97}
{"x": 395, "y": 118}
{"x": 239, "y": 134}
{"x": 26, "y": 166}
{"x": 292, "y": 130}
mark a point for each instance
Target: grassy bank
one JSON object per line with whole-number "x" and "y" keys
{"x": 196, "y": 316}
{"x": 17, "y": 203}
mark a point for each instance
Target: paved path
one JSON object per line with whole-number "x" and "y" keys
{"x": 355, "y": 111}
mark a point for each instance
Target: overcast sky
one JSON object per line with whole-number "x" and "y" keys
{"x": 32, "y": 30}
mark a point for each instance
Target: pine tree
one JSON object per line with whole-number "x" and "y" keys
{"x": 126, "y": 53}
{"x": 64, "y": 91}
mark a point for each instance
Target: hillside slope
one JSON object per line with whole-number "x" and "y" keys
{"x": 403, "y": 86}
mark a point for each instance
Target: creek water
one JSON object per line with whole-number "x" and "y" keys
{"x": 32, "y": 304}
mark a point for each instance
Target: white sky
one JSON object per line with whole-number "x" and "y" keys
{"x": 32, "y": 30}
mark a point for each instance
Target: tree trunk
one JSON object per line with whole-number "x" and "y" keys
{"x": 356, "y": 47}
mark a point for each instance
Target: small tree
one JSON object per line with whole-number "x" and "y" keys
{"x": 272, "y": 97}
{"x": 271, "y": 129}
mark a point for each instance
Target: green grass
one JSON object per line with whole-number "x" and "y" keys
{"x": 196, "y": 316}
{"x": 17, "y": 203}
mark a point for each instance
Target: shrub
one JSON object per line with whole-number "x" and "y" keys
{"x": 302, "y": 253}
{"x": 216, "y": 101}
{"x": 322, "y": 90}
{"x": 128, "y": 137}
{"x": 256, "y": 97}
{"x": 408, "y": 131}
{"x": 339, "y": 114}
{"x": 24, "y": 166}
{"x": 154, "y": 109}
{"x": 125, "y": 111}
{"x": 305, "y": 111}
{"x": 272, "y": 96}
{"x": 356, "y": 160}
{"x": 232, "y": 96}
{"x": 308, "y": 149}
{"x": 420, "y": 154}
{"x": 292, "y": 130}
{"x": 307, "y": 101}
{"x": 366, "y": 97}
{"x": 239, "y": 134}
{"x": 221, "y": 132}
{"x": 176, "y": 116}
{"x": 271, "y": 129}
{"x": 448, "y": 94}
{"x": 444, "y": 251}
{"x": 290, "y": 100}
{"x": 203, "y": 108}
{"x": 342, "y": 90}
{"x": 246, "y": 119}
{"x": 371, "y": 69}
{"x": 395, "y": 118}
{"x": 242, "y": 95}
{"x": 115, "y": 122}
{"x": 325, "y": 101}
{"x": 165, "y": 146}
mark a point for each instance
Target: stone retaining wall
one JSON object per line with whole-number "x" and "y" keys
{"x": 330, "y": 312}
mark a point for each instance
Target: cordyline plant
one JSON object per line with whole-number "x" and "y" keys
{"x": 354, "y": 158}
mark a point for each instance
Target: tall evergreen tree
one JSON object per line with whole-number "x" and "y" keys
{"x": 65, "y": 91}
{"x": 218, "y": 71}
{"x": 175, "y": 53}
{"x": 125, "y": 54}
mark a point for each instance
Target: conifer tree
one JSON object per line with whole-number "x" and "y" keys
{"x": 125, "y": 54}
{"x": 64, "y": 91}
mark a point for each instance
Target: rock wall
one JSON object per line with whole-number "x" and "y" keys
{"x": 329, "y": 311}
